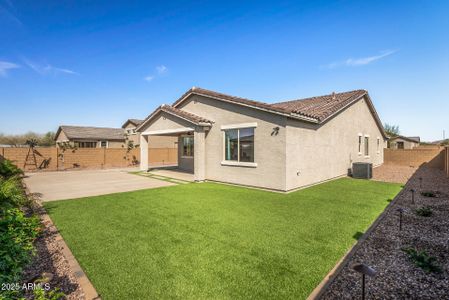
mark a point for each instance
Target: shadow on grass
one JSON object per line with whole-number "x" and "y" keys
{"x": 358, "y": 235}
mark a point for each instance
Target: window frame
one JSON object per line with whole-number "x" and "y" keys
{"x": 237, "y": 162}
{"x": 182, "y": 146}
{"x": 360, "y": 141}
{"x": 366, "y": 146}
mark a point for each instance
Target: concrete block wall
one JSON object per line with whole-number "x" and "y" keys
{"x": 432, "y": 157}
{"x": 88, "y": 158}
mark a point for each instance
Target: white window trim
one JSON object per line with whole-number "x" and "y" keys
{"x": 378, "y": 145}
{"x": 364, "y": 139}
{"x": 182, "y": 147}
{"x": 238, "y": 163}
{"x": 239, "y": 126}
{"x": 360, "y": 143}
{"x": 234, "y": 162}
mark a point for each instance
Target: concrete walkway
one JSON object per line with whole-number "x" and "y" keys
{"x": 76, "y": 184}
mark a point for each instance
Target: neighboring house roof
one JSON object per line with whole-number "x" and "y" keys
{"x": 315, "y": 110}
{"x": 91, "y": 133}
{"x": 135, "y": 122}
{"x": 413, "y": 139}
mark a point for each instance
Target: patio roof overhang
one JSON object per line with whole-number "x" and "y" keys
{"x": 169, "y": 131}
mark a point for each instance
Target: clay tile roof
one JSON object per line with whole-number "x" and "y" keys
{"x": 238, "y": 100}
{"x": 95, "y": 133}
{"x": 136, "y": 121}
{"x": 184, "y": 115}
{"x": 321, "y": 107}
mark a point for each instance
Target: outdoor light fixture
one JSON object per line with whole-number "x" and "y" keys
{"x": 413, "y": 195}
{"x": 364, "y": 270}
{"x": 401, "y": 211}
{"x": 275, "y": 131}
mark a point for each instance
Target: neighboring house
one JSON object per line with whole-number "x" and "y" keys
{"x": 280, "y": 146}
{"x": 91, "y": 137}
{"x": 156, "y": 142}
{"x": 403, "y": 142}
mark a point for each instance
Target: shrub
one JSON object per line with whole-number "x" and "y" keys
{"x": 429, "y": 194}
{"x": 8, "y": 169}
{"x": 41, "y": 294}
{"x": 424, "y": 211}
{"x": 423, "y": 260}
{"x": 11, "y": 194}
{"x": 17, "y": 234}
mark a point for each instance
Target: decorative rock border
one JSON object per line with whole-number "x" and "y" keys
{"x": 90, "y": 293}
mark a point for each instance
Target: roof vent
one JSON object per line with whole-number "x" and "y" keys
{"x": 333, "y": 96}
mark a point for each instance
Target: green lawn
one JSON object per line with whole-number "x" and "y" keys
{"x": 213, "y": 241}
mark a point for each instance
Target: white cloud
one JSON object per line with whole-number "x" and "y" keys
{"x": 148, "y": 78}
{"x": 48, "y": 69}
{"x": 161, "y": 69}
{"x": 5, "y": 66}
{"x": 354, "y": 62}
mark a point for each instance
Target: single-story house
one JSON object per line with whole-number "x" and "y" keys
{"x": 404, "y": 142}
{"x": 91, "y": 137}
{"x": 156, "y": 142}
{"x": 281, "y": 146}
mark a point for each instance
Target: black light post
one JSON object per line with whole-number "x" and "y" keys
{"x": 413, "y": 195}
{"x": 364, "y": 270}
{"x": 420, "y": 182}
{"x": 401, "y": 211}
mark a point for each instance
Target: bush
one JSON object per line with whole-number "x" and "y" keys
{"x": 423, "y": 260}
{"x": 17, "y": 234}
{"x": 8, "y": 169}
{"x": 424, "y": 211}
{"x": 11, "y": 194}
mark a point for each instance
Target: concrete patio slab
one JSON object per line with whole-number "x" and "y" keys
{"x": 173, "y": 173}
{"x": 76, "y": 184}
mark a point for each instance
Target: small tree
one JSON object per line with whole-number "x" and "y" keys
{"x": 64, "y": 146}
{"x": 391, "y": 130}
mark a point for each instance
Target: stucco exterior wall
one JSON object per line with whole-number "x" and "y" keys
{"x": 316, "y": 153}
{"x": 269, "y": 150}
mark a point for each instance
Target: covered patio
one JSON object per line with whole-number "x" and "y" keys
{"x": 191, "y": 131}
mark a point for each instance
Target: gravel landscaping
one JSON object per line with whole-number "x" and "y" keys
{"x": 49, "y": 262}
{"x": 398, "y": 276}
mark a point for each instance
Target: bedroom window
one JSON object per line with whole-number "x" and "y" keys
{"x": 239, "y": 145}
{"x": 187, "y": 146}
{"x": 366, "y": 145}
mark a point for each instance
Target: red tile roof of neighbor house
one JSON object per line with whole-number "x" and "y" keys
{"x": 91, "y": 133}
{"x": 315, "y": 109}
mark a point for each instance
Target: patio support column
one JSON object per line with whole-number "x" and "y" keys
{"x": 143, "y": 152}
{"x": 199, "y": 155}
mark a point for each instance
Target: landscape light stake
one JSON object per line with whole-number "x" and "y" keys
{"x": 364, "y": 270}
{"x": 413, "y": 195}
{"x": 401, "y": 211}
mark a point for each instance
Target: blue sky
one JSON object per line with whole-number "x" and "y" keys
{"x": 102, "y": 62}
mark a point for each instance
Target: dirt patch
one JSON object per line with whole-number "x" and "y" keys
{"x": 393, "y": 173}
{"x": 398, "y": 277}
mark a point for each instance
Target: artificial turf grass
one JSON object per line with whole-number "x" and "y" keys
{"x": 198, "y": 241}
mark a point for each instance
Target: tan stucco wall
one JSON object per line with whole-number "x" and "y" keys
{"x": 318, "y": 153}
{"x": 269, "y": 152}
{"x": 407, "y": 144}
